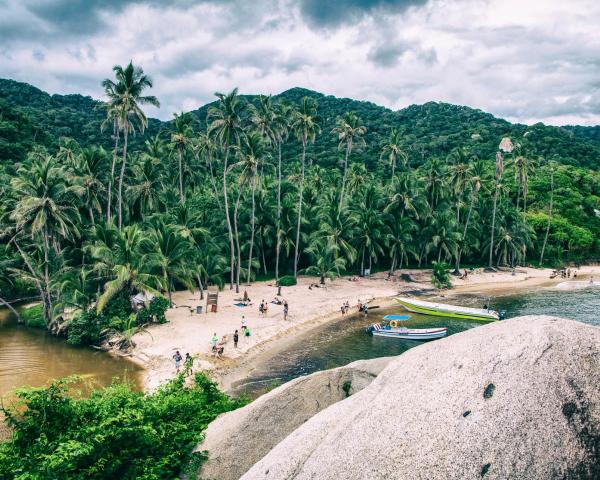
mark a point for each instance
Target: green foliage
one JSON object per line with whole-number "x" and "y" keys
{"x": 440, "y": 277}
{"x": 287, "y": 281}
{"x": 33, "y": 316}
{"x": 154, "y": 312}
{"x": 115, "y": 433}
{"x": 85, "y": 328}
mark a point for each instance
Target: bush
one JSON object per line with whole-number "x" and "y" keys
{"x": 115, "y": 433}
{"x": 287, "y": 281}
{"x": 85, "y": 328}
{"x": 34, "y": 316}
{"x": 440, "y": 277}
{"x": 155, "y": 312}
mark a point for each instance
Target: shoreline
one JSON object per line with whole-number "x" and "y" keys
{"x": 191, "y": 332}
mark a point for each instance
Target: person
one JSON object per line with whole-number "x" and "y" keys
{"x": 219, "y": 351}
{"x": 343, "y": 309}
{"x": 177, "y": 358}
{"x": 246, "y": 297}
{"x": 247, "y": 332}
{"x": 591, "y": 280}
{"x": 244, "y": 323}
{"x": 189, "y": 363}
{"x": 261, "y": 307}
{"x": 285, "y": 310}
{"x": 265, "y": 309}
{"x": 236, "y": 337}
{"x": 366, "y": 309}
{"x": 214, "y": 340}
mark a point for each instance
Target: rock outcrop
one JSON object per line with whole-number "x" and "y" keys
{"x": 237, "y": 440}
{"x": 518, "y": 399}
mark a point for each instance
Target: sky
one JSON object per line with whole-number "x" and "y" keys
{"x": 523, "y": 60}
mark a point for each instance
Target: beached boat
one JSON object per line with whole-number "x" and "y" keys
{"x": 444, "y": 310}
{"x": 407, "y": 333}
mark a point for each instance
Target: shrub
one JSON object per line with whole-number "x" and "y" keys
{"x": 85, "y": 328}
{"x": 34, "y": 316}
{"x": 287, "y": 281}
{"x": 115, "y": 433}
{"x": 155, "y": 312}
{"x": 440, "y": 277}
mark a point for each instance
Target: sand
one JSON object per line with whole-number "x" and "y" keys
{"x": 191, "y": 332}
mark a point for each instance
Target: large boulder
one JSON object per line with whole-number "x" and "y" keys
{"x": 518, "y": 399}
{"x": 237, "y": 440}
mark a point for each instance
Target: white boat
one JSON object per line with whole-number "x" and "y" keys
{"x": 407, "y": 333}
{"x": 444, "y": 310}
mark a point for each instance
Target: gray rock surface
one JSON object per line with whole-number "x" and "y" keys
{"x": 237, "y": 440}
{"x": 517, "y": 399}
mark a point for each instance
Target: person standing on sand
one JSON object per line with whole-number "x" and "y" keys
{"x": 236, "y": 337}
{"x": 214, "y": 340}
{"x": 285, "y": 310}
{"x": 189, "y": 363}
{"x": 244, "y": 324}
{"x": 177, "y": 358}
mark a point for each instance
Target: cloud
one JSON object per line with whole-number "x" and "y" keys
{"x": 525, "y": 61}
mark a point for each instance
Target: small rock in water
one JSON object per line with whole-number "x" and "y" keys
{"x": 467, "y": 413}
{"x": 489, "y": 391}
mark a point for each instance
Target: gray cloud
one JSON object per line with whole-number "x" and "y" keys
{"x": 321, "y": 13}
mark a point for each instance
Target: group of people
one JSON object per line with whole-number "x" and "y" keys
{"x": 345, "y": 307}
{"x": 263, "y": 308}
{"x": 188, "y": 363}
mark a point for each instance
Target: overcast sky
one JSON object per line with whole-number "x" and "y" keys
{"x": 524, "y": 60}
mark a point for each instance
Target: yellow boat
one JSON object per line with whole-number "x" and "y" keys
{"x": 443, "y": 310}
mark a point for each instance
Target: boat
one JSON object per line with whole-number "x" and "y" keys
{"x": 407, "y": 333}
{"x": 444, "y": 310}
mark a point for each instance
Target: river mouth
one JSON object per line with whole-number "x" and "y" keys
{"x": 32, "y": 358}
{"x": 343, "y": 341}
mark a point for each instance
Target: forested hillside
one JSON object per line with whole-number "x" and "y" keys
{"x": 277, "y": 186}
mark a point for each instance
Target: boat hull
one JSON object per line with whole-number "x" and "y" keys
{"x": 424, "y": 309}
{"x": 431, "y": 334}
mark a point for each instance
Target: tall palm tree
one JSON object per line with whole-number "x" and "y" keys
{"x": 552, "y": 169}
{"x": 205, "y": 146}
{"x": 226, "y": 127}
{"x": 45, "y": 208}
{"x": 476, "y": 172}
{"x": 112, "y": 119}
{"x": 349, "y": 131}
{"x": 498, "y": 187}
{"x": 125, "y": 95}
{"x": 305, "y": 124}
{"x": 181, "y": 141}
{"x": 147, "y": 186}
{"x": 88, "y": 173}
{"x": 393, "y": 150}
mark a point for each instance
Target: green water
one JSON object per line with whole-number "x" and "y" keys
{"x": 345, "y": 340}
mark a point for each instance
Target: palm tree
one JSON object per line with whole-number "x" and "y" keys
{"x": 121, "y": 256}
{"x": 88, "y": 172}
{"x": 125, "y": 95}
{"x": 349, "y": 131}
{"x": 112, "y": 118}
{"x": 45, "y": 208}
{"x": 305, "y": 124}
{"x": 226, "y": 127}
{"x": 498, "y": 185}
{"x": 523, "y": 166}
{"x": 206, "y": 147}
{"x": 147, "y": 186}
{"x": 399, "y": 240}
{"x": 476, "y": 172}
{"x": 392, "y": 149}
{"x": 326, "y": 262}
{"x": 181, "y": 141}
{"x": 552, "y": 169}
{"x": 170, "y": 255}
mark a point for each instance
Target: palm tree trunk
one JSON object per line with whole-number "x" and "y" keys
{"x": 348, "y": 149}
{"x": 362, "y": 263}
{"x": 300, "y": 198}
{"x": 549, "y": 218}
{"x": 229, "y": 230}
{"x": 252, "y": 224}
{"x": 278, "y": 242}
{"x": 181, "y": 197}
{"x": 212, "y": 179}
{"x": 464, "y": 235}
{"x": 11, "y": 308}
{"x": 493, "y": 227}
{"x": 125, "y": 136}
{"x": 393, "y": 167}
{"x": 48, "y": 302}
{"x": 200, "y": 286}
{"x": 393, "y": 265}
{"x": 112, "y": 172}
{"x": 238, "y": 262}
{"x": 91, "y": 214}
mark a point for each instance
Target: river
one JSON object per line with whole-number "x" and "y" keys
{"x": 343, "y": 341}
{"x": 31, "y": 357}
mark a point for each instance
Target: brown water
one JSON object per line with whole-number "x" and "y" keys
{"x": 31, "y": 357}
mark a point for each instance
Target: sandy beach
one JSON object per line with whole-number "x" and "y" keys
{"x": 308, "y": 307}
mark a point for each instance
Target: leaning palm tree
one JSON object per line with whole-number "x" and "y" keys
{"x": 552, "y": 169}
{"x": 349, "y": 131}
{"x": 498, "y": 187}
{"x": 226, "y": 127}
{"x": 477, "y": 173}
{"x": 392, "y": 149}
{"x": 305, "y": 124}
{"x": 125, "y": 96}
{"x": 45, "y": 209}
{"x": 181, "y": 142}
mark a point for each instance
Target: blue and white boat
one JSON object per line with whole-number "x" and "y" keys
{"x": 394, "y": 329}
